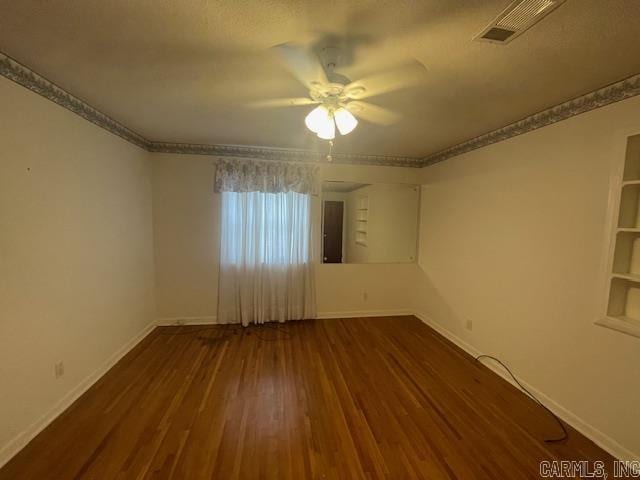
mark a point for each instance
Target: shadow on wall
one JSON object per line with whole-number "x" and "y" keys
{"x": 433, "y": 306}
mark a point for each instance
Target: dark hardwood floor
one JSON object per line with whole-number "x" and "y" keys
{"x": 328, "y": 399}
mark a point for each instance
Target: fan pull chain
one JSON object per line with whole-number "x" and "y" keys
{"x": 329, "y": 157}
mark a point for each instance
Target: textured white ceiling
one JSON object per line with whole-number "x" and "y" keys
{"x": 181, "y": 70}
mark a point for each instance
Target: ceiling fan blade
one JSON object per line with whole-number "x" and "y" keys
{"x": 302, "y": 63}
{"x": 406, "y": 76}
{"x": 282, "y": 102}
{"x": 373, "y": 113}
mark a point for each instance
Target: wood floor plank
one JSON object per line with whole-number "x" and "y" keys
{"x": 365, "y": 398}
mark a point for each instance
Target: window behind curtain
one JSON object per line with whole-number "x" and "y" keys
{"x": 261, "y": 229}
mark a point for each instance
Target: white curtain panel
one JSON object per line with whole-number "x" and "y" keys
{"x": 266, "y": 268}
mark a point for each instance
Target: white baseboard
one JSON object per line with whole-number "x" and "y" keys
{"x": 602, "y": 440}
{"x": 168, "y": 321}
{"x": 22, "y": 439}
{"x": 364, "y": 313}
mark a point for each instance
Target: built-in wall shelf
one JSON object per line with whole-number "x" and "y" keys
{"x": 623, "y": 324}
{"x": 632, "y": 277}
{"x": 629, "y": 202}
{"x": 623, "y": 299}
{"x": 362, "y": 215}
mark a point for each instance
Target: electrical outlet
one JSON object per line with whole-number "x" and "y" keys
{"x": 469, "y": 324}
{"x": 58, "y": 369}
{"x": 365, "y": 296}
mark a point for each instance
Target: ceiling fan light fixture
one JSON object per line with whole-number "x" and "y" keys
{"x": 327, "y": 130}
{"x": 345, "y": 121}
{"x": 318, "y": 119}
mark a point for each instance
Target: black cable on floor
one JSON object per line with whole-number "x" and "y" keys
{"x": 225, "y": 331}
{"x": 188, "y": 331}
{"x": 565, "y": 434}
{"x": 251, "y": 329}
{"x": 255, "y": 329}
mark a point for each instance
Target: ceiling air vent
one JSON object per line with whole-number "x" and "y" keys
{"x": 516, "y": 19}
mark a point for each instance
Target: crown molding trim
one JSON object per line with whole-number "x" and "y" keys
{"x": 282, "y": 154}
{"x": 602, "y": 97}
{"x": 24, "y": 76}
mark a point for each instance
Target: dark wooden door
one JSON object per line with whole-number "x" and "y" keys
{"x": 332, "y": 235}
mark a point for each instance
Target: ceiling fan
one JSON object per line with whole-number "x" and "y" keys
{"x": 338, "y": 98}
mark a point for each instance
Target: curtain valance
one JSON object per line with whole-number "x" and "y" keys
{"x": 266, "y": 176}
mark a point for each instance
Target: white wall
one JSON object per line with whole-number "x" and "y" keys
{"x": 186, "y": 236}
{"x": 186, "y": 222}
{"x": 512, "y": 238}
{"x": 76, "y": 263}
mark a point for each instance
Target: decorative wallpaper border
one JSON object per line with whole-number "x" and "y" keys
{"x": 282, "y": 154}
{"x": 615, "y": 92}
{"x": 26, "y": 77}
{"x": 22, "y": 75}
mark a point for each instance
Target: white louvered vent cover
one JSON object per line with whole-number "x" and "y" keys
{"x": 516, "y": 19}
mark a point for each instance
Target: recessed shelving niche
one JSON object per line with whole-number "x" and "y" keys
{"x": 362, "y": 216}
{"x": 626, "y": 257}
{"x": 624, "y": 302}
{"x": 629, "y": 202}
{"x": 623, "y": 299}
